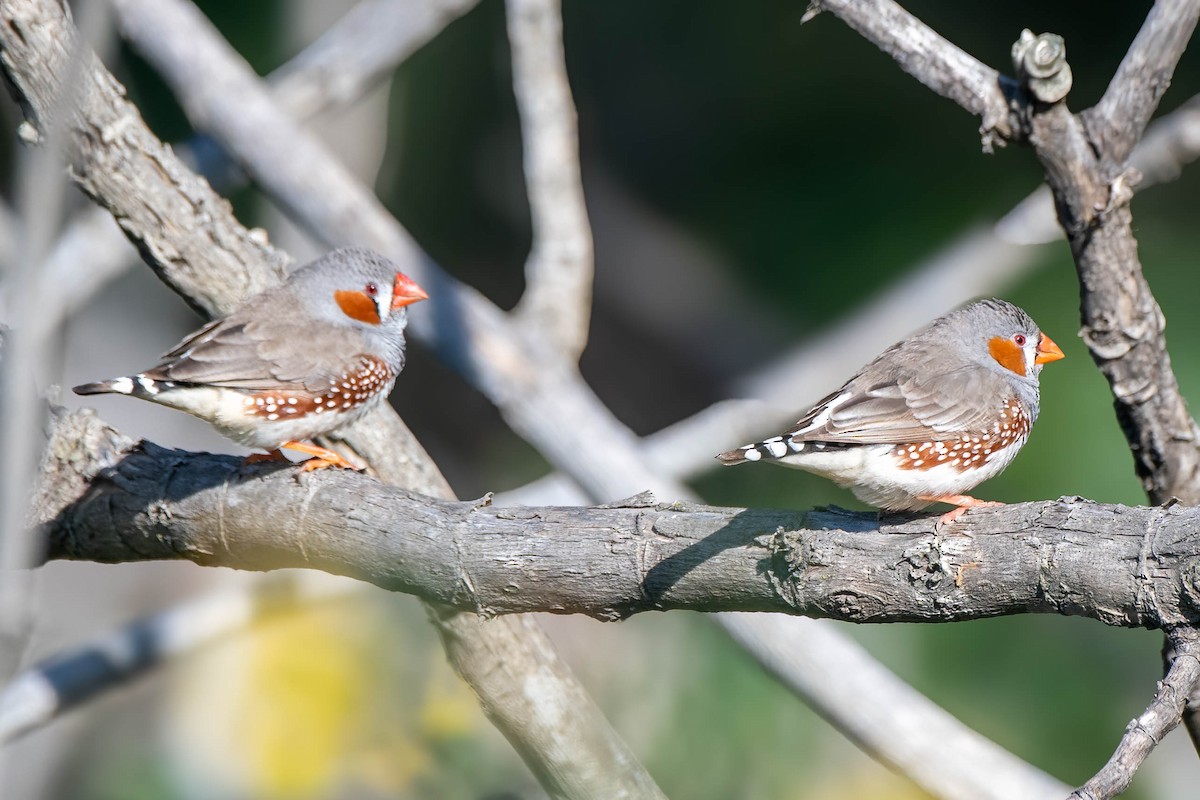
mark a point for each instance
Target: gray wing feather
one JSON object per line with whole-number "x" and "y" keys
{"x": 245, "y": 354}
{"x": 908, "y": 409}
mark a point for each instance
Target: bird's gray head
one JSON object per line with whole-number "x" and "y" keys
{"x": 357, "y": 287}
{"x": 1002, "y": 337}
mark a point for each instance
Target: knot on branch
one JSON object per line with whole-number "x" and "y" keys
{"x": 784, "y": 564}
{"x": 1041, "y": 64}
{"x": 926, "y": 565}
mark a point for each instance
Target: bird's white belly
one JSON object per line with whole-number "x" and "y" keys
{"x": 874, "y": 473}
{"x": 226, "y": 410}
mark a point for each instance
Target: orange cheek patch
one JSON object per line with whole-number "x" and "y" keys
{"x": 356, "y": 305}
{"x": 1008, "y": 355}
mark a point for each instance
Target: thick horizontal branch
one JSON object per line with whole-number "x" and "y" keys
{"x": 1120, "y": 565}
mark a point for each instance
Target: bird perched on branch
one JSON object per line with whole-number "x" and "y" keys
{"x": 930, "y": 418}
{"x": 293, "y": 362}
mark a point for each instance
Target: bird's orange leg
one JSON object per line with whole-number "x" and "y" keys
{"x": 963, "y": 502}
{"x": 323, "y": 458}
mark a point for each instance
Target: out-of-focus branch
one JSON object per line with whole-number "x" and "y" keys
{"x": 40, "y": 198}
{"x": 1115, "y": 124}
{"x": 934, "y": 61}
{"x": 365, "y": 44}
{"x": 77, "y": 675}
{"x": 1144, "y": 733}
{"x": 8, "y": 238}
{"x": 836, "y": 674}
{"x": 558, "y": 273}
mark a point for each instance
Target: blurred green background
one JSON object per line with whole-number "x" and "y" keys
{"x": 810, "y": 173}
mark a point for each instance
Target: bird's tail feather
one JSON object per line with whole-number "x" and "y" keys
{"x": 778, "y": 447}
{"x": 768, "y": 449}
{"x": 112, "y": 386}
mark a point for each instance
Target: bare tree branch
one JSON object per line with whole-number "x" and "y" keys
{"x": 1116, "y": 123}
{"x": 558, "y": 273}
{"x": 145, "y": 502}
{"x": 59, "y": 684}
{"x": 1122, "y": 323}
{"x": 368, "y": 42}
{"x": 1144, "y": 733}
{"x": 838, "y": 675}
{"x": 1191, "y": 708}
{"x": 934, "y": 61}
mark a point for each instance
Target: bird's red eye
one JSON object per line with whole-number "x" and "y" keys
{"x": 372, "y": 290}
{"x": 1019, "y": 339}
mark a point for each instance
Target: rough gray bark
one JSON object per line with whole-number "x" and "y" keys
{"x": 1085, "y": 161}
{"x": 1123, "y": 566}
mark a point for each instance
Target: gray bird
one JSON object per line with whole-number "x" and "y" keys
{"x": 293, "y": 362}
{"x": 930, "y": 418}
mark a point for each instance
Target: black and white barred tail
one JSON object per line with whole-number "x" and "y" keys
{"x": 775, "y": 448}
{"x": 133, "y": 385}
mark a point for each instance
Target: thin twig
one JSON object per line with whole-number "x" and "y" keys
{"x": 558, "y": 273}
{"x": 1144, "y": 733}
{"x": 946, "y": 69}
{"x": 1191, "y": 708}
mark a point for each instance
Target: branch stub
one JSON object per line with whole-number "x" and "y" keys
{"x": 1041, "y": 64}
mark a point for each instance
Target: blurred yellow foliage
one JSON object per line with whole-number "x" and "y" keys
{"x": 298, "y": 709}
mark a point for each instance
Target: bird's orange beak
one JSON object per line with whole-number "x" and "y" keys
{"x": 1047, "y": 351}
{"x": 405, "y": 292}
